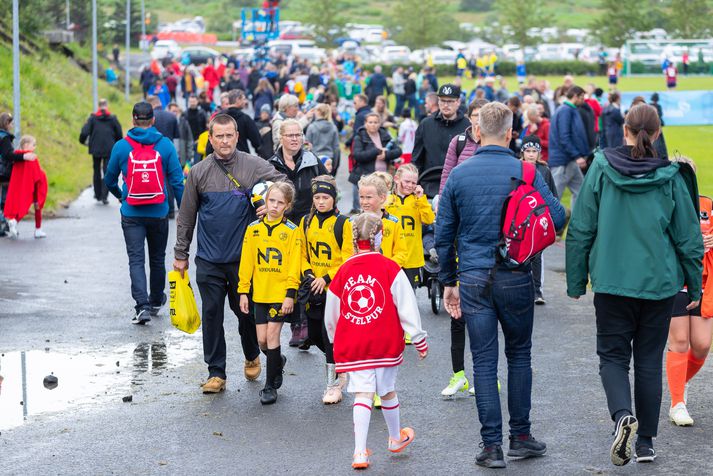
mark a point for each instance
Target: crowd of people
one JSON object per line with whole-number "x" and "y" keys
{"x": 262, "y": 144}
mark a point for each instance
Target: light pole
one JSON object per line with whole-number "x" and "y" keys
{"x": 16, "y": 66}
{"x": 143, "y": 26}
{"x": 128, "y": 45}
{"x": 95, "y": 87}
{"x": 67, "y": 3}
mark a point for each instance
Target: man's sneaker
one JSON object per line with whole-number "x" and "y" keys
{"x": 332, "y": 395}
{"x": 252, "y": 369}
{"x": 525, "y": 446}
{"x": 213, "y": 385}
{"x": 490, "y": 457}
{"x": 39, "y": 234}
{"x": 645, "y": 453}
{"x": 361, "y": 460}
{"x": 142, "y": 317}
{"x": 407, "y": 338}
{"x": 472, "y": 391}
{"x": 268, "y": 396}
{"x": 407, "y": 435}
{"x": 12, "y": 229}
{"x": 377, "y": 401}
{"x": 105, "y": 201}
{"x": 155, "y": 309}
{"x": 679, "y": 415}
{"x": 4, "y": 228}
{"x": 457, "y": 384}
{"x": 540, "y": 300}
{"x": 277, "y": 381}
{"x": 623, "y": 434}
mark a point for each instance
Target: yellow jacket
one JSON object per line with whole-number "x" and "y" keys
{"x": 412, "y": 212}
{"x": 393, "y": 243}
{"x": 202, "y": 144}
{"x": 270, "y": 260}
{"x": 321, "y": 254}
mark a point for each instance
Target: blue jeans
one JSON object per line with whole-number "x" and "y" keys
{"x": 400, "y": 103}
{"x": 509, "y": 301}
{"x": 153, "y": 231}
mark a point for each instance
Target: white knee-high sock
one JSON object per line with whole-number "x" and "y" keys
{"x": 392, "y": 415}
{"x": 362, "y": 416}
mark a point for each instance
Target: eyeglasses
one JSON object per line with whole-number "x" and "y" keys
{"x": 292, "y": 136}
{"x": 447, "y": 102}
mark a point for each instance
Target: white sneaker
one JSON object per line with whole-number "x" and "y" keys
{"x": 39, "y": 233}
{"x": 685, "y": 394}
{"x": 679, "y": 415}
{"x": 12, "y": 229}
{"x": 458, "y": 383}
{"x": 472, "y": 391}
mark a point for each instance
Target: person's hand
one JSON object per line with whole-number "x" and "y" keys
{"x": 418, "y": 191}
{"x": 288, "y": 306}
{"x": 422, "y": 355}
{"x": 29, "y": 156}
{"x": 318, "y": 285}
{"x": 244, "y": 304}
{"x": 382, "y": 155}
{"x": 261, "y": 211}
{"x": 180, "y": 265}
{"x": 451, "y": 299}
{"x": 582, "y": 162}
{"x": 707, "y": 242}
{"x": 693, "y": 305}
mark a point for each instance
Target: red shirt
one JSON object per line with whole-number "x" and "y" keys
{"x": 543, "y": 132}
{"x": 597, "y": 108}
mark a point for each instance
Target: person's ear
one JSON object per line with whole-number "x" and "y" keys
{"x": 508, "y": 135}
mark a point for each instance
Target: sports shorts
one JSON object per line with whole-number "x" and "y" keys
{"x": 414, "y": 276}
{"x": 381, "y": 380}
{"x": 679, "y": 306}
{"x": 265, "y": 313}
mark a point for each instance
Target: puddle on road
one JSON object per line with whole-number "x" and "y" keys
{"x": 85, "y": 376}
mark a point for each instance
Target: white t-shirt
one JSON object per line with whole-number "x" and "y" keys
{"x": 407, "y": 135}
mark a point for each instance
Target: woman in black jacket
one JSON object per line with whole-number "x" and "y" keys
{"x": 612, "y": 123}
{"x": 7, "y": 158}
{"x": 373, "y": 149}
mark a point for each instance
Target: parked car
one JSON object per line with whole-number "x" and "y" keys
{"x": 200, "y": 54}
{"x": 437, "y": 55}
{"x": 164, "y": 49}
{"x": 397, "y": 54}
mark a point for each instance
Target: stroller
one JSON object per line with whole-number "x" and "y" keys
{"x": 430, "y": 270}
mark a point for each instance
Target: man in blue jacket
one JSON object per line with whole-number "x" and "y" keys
{"x": 569, "y": 147}
{"x": 483, "y": 291}
{"x": 149, "y": 222}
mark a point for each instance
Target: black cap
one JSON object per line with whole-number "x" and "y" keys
{"x": 143, "y": 111}
{"x": 531, "y": 142}
{"x": 449, "y": 91}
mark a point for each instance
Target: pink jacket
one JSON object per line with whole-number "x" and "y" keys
{"x": 451, "y": 160}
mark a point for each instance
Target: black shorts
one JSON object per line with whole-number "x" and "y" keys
{"x": 414, "y": 276}
{"x": 679, "y": 306}
{"x": 265, "y": 313}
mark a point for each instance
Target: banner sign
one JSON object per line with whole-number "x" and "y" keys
{"x": 680, "y": 108}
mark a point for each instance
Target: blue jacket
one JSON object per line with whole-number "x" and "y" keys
{"x": 568, "y": 138}
{"x": 468, "y": 223}
{"x": 172, "y": 172}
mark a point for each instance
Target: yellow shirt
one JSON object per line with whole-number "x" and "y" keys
{"x": 270, "y": 261}
{"x": 412, "y": 212}
{"x": 321, "y": 254}
{"x": 393, "y": 243}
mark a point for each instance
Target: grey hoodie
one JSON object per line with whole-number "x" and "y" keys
{"x": 324, "y": 137}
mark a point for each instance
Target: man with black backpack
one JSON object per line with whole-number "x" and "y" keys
{"x": 494, "y": 290}
{"x": 102, "y": 130}
{"x": 149, "y": 163}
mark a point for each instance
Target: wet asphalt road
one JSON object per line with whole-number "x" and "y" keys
{"x": 65, "y": 309}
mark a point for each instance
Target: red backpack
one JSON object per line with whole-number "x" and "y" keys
{"x": 144, "y": 178}
{"x": 527, "y": 224}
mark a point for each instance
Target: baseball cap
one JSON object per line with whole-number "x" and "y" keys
{"x": 449, "y": 91}
{"x": 143, "y": 111}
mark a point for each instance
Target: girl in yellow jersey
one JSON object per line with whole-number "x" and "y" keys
{"x": 373, "y": 195}
{"x": 270, "y": 263}
{"x": 327, "y": 243}
{"x": 411, "y": 207}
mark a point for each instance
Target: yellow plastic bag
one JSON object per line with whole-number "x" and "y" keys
{"x": 184, "y": 311}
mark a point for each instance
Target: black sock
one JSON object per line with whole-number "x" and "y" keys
{"x": 645, "y": 441}
{"x": 264, "y": 351}
{"x": 274, "y": 361}
{"x": 621, "y": 414}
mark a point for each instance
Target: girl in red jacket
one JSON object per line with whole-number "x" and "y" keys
{"x": 366, "y": 321}
{"x": 28, "y": 186}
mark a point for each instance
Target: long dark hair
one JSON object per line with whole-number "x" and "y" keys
{"x": 643, "y": 123}
{"x": 5, "y": 120}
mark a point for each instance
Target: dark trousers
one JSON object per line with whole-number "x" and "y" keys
{"x": 317, "y": 333}
{"x": 458, "y": 344}
{"x": 537, "y": 273}
{"x": 215, "y": 282}
{"x": 626, "y": 325}
{"x": 505, "y": 299}
{"x": 171, "y": 200}
{"x": 100, "y": 190}
{"x": 400, "y": 103}
{"x": 154, "y": 232}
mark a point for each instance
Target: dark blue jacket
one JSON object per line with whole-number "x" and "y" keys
{"x": 568, "y": 138}
{"x": 166, "y": 123}
{"x": 469, "y": 211}
{"x": 612, "y": 127}
{"x": 172, "y": 172}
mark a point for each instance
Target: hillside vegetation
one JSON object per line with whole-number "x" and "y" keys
{"x": 56, "y": 99}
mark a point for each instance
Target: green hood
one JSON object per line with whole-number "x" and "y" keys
{"x": 639, "y": 183}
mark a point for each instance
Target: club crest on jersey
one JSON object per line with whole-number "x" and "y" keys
{"x": 283, "y": 236}
{"x": 364, "y": 300}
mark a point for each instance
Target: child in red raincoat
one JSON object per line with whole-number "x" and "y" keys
{"x": 28, "y": 186}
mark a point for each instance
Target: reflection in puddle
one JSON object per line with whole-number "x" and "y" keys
{"x": 82, "y": 376}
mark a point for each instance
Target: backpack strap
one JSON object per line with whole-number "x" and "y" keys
{"x": 460, "y": 144}
{"x": 339, "y": 229}
{"x": 529, "y": 172}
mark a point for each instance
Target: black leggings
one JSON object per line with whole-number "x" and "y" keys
{"x": 458, "y": 344}
{"x": 317, "y": 333}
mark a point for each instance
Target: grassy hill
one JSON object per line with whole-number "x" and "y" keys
{"x": 56, "y": 98}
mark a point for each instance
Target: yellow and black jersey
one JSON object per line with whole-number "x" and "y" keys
{"x": 322, "y": 254}
{"x": 393, "y": 243}
{"x": 270, "y": 260}
{"x": 413, "y": 213}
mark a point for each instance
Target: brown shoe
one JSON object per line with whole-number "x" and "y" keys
{"x": 213, "y": 385}
{"x": 252, "y": 369}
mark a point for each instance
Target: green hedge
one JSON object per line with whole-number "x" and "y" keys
{"x": 506, "y": 68}
{"x": 693, "y": 68}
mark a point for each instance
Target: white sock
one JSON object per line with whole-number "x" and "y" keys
{"x": 362, "y": 416}
{"x": 392, "y": 415}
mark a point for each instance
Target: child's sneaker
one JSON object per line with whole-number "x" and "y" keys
{"x": 407, "y": 435}
{"x": 12, "y": 229}
{"x": 457, "y": 384}
{"x": 361, "y": 460}
{"x": 40, "y": 234}
{"x": 377, "y": 401}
